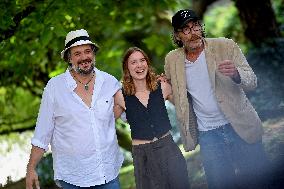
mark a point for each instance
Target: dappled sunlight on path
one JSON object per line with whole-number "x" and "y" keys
{"x": 14, "y": 155}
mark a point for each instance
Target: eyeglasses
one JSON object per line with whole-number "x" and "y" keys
{"x": 196, "y": 26}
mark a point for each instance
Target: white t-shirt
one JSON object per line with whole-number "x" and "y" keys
{"x": 209, "y": 115}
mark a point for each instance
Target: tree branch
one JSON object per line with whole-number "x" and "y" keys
{"x": 5, "y": 34}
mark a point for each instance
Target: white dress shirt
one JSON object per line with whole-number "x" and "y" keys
{"x": 83, "y": 139}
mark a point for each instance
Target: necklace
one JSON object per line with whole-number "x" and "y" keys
{"x": 86, "y": 86}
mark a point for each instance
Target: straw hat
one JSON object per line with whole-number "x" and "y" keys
{"x": 76, "y": 38}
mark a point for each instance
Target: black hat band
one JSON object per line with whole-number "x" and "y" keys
{"x": 76, "y": 39}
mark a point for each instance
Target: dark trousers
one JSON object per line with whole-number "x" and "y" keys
{"x": 114, "y": 184}
{"x": 160, "y": 165}
{"x": 231, "y": 163}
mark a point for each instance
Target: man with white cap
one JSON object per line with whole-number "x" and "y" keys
{"x": 76, "y": 119}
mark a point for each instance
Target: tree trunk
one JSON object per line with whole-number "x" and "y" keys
{"x": 258, "y": 20}
{"x": 200, "y": 6}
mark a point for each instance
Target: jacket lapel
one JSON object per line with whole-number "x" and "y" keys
{"x": 211, "y": 64}
{"x": 181, "y": 76}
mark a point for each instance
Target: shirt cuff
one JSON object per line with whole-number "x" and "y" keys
{"x": 37, "y": 143}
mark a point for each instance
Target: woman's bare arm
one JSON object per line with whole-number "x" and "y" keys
{"x": 119, "y": 104}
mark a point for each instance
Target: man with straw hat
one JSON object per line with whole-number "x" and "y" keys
{"x": 76, "y": 119}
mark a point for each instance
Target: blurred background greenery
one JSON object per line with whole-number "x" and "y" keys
{"x": 32, "y": 34}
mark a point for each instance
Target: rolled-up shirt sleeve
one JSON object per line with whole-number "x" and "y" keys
{"x": 45, "y": 120}
{"x": 116, "y": 85}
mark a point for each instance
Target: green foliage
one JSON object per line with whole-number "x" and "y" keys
{"x": 123, "y": 133}
{"x": 223, "y": 21}
{"x": 126, "y": 177}
{"x": 35, "y": 31}
{"x": 31, "y": 55}
{"x": 7, "y": 14}
{"x": 18, "y": 109}
{"x": 278, "y": 7}
{"x": 40, "y": 37}
{"x": 45, "y": 171}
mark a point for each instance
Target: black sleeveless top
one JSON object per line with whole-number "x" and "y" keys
{"x": 147, "y": 122}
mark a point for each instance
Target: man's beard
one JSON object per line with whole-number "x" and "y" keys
{"x": 82, "y": 72}
{"x": 194, "y": 43}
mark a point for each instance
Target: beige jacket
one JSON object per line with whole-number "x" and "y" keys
{"x": 230, "y": 95}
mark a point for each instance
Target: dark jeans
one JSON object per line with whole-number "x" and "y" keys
{"x": 160, "y": 165}
{"x": 114, "y": 184}
{"x": 230, "y": 162}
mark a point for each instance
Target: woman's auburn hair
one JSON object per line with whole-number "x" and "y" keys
{"x": 127, "y": 81}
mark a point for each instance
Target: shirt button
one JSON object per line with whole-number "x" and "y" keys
{"x": 151, "y": 125}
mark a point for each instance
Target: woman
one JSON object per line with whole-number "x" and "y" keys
{"x": 158, "y": 162}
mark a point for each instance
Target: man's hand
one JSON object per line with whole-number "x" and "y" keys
{"x": 32, "y": 179}
{"x": 162, "y": 78}
{"x": 227, "y": 68}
